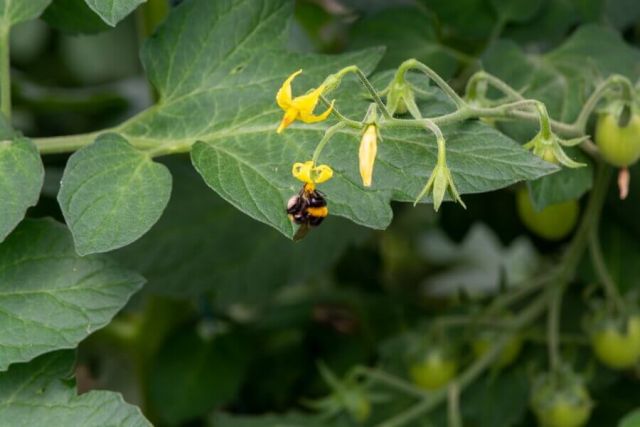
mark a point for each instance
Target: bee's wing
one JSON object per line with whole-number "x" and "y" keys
{"x": 301, "y": 232}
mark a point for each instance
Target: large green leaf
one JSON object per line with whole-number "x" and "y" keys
{"x": 50, "y": 298}
{"x": 15, "y": 11}
{"x": 39, "y": 393}
{"x": 192, "y": 375}
{"x": 222, "y": 95}
{"x": 73, "y": 16}
{"x": 113, "y": 11}
{"x": 412, "y": 35}
{"x": 203, "y": 244}
{"x": 111, "y": 194}
{"x": 21, "y": 178}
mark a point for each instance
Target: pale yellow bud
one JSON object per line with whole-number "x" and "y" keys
{"x": 367, "y": 154}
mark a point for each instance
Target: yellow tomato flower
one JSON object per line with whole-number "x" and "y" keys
{"x": 311, "y": 174}
{"x": 367, "y": 154}
{"x": 300, "y": 107}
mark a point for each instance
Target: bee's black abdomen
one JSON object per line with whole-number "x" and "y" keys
{"x": 315, "y": 220}
{"x": 317, "y": 202}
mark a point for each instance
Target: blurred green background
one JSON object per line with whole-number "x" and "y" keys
{"x": 234, "y": 316}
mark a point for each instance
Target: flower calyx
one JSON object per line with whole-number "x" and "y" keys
{"x": 401, "y": 98}
{"x": 549, "y": 148}
{"x": 440, "y": 181}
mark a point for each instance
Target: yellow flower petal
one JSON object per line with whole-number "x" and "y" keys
{"x": 310, "y": 174}
{"x": 311, "y": 118}
{"x": 308, "y": 102}
{"x": 302, "y": 171}
{"x": 289, "y": 116}
{"x": 284, "y": 97}
{"x": 321, "y": 174}
{"x": 367, "y": 154}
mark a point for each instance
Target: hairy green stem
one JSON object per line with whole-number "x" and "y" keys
{"x": 545, "y": 126}
{"x": 325, "y": 139}
{"x": 454, "y": 417}
{"x": 390, "y": 380}
{"x": 600, "y": 92}
{"x": 351, "y": 123}
{"x": 65, "y": 144}
{"x": 5, "y": 72}
{"x": 600, "y": 267}
{"x": 448, "y": 90}
{"x": 553, "y": 326}
{"x": 367, "y": 84}
{"x": 503, "y": 87}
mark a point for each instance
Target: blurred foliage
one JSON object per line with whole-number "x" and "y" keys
{"x": 250, "y": 312}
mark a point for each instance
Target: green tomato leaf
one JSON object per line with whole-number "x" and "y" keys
{"x": 73, "y": 16}
{"x": 632, "y": 419}
{"x": 567, "y": 184}
{"x": 565, "y": 77}
{"x": 111, "y": 194}
{"x": 464, "y": 19}
{"x": 39, "y": 393}
{"x": 191, "y": 375}
{"x": 21, "y": 178}
{"x": 219, "y": 99}
{"x": 177, "y": 260}
{"x": 113, "y": 11}
{"x": 50, "y": 298}
{"x": 412, "y": 35}
{"x": 510, "y": 386}
{"x": 516, "y": 10}
{"x": 15, "y": 11}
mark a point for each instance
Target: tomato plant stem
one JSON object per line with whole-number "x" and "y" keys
{"x": 600, "y": 267}
{"x": 325, "y": 139}
{"x": 553, "y": 326}
{"x": 390, "y": 380}
{"x": 5, "y": 73}
{"x": 448, "y": 90}
{"x": 454, "y": 417}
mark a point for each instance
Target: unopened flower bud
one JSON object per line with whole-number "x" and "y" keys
{"x": 367, "y": 153}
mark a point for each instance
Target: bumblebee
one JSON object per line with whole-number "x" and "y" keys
{"x": 308, "y": 209}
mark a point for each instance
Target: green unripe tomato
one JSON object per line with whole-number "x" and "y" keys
{"x": 618, "y": 349}
{"x": 553, "y": 222}
{"x": 619, "y": 146}
{"x": 433, "y": 371}
{"x": 357, "y": 405}
{"x": 507, "y": 356}
{"x": 564, "y": 412}
{"x": 561, "y": 406}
